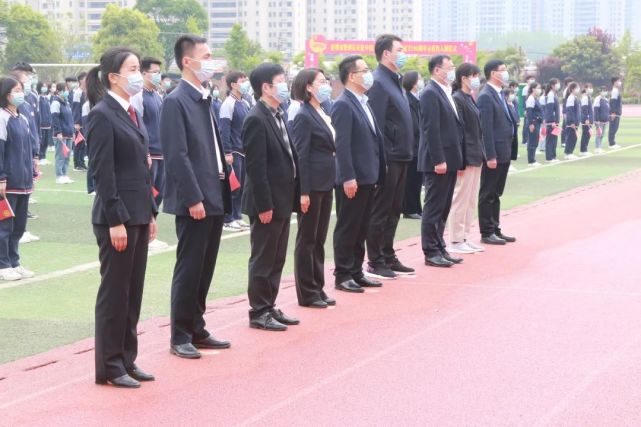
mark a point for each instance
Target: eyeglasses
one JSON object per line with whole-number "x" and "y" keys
{"x": 361, "y": 71}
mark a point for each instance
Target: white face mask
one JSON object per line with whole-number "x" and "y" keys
{"x": 557, "y": 86}
{"x": 590, "y": 91}
{"x": 537, "y": 91}
{"x": 475, "y": 83}
{"x": 420, "y": 85}
{"x": 206, "y": 71}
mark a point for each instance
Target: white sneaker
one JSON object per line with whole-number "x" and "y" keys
{"x": 460, "y": 248}
{"x": 598, "y": 151}
{"x": 157, "y": 245}
{"x": 43, "y": 162}
{"x": 24, "y": 239}
{"x": 24, "y": 273}
{"x": 475, "y": 247}
{"x": 570, "y": 157}
{"x": 93, "y": 193}
{"x": 512, "y": 169}
{"x": 9, "y": 274}
{"x": 61, "y": 180}
{"x": 32, "y": 201}
{"x": 242, "y": 224}
{"x": 614, "y": 147}
{"x": 32, "y": 237}
{"x": 554, "y": 161}
{"x": 534, "y": 165}
{"x": 232, "y": 227}
{"x": 69, "y": 180}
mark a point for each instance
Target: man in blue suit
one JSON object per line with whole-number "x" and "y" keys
{"x": 499, "y": 132}
{"x": 392, "y": 111}
{"x": 360, "y": 166}
{"x": 440, "y": 157}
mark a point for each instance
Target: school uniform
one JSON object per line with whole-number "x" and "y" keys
{"x": 29, "y": 112}
{"x": 616, "y": 108}
{"x": 16, "y": 171}
{"x": 216, "y": 104}
{"x": 45, "y": 124}
{"x": 414, "y": 183}
{"x": 62, "y": 123}
{"x": 533, "y": 117}
{"x": 572, "y": 118}
{"x": 148, "y": 104}
{"x": 601, "y": 119}
{"x": 119, "y": 144}
{"x": 552, "y": 119}
{"x": 80, "y": 149}
{"x": 587, "y": 114}
{"x": 542, "y": 101}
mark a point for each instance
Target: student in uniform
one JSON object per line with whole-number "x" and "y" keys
{"x": 587, "y": 119}
{"x": 601, "y": 118}
{"x": 615, "y": 112}
{"x": 18, "y": 160}
{"x": 78, "y": 99}
{"x": 413, "y": 84}
{"x": 533, "y": 120}
{"x": 45, "y": 121}
{"x": 542, "y": 101}
{"x": 564, "y": 129}
{"x": 552, "y": 119}
{"x": 63, "y": 132}
{"x": 525, "y": 93}
{"x": 572, "y": 119}
{"x": 216, "y": 103}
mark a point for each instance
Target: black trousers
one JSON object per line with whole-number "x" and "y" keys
{"x": 532, "y": 142}
{"x": 196, "y": 255}
{"x": 413, "y": 184}
{"x": 352, "y": 224}
{"x": 570, "y": 141}
{"x": 388, "y": 204}
{"x": 45, "y": 142}
{"x": 309, "y": 254}
{"x": 158, "y": 178}
{"x": 551, "y": 142}
{"x": 439, "y": 190}
{"x": 266, "y": 262}
{"x": 12, "y": 229}
{"x": 122, "y": 277}
{"x": 585, "y": 138}
{"x": 612, "y": 132}
{"x": 492, "y": 186}
{"x": 79, "y": 151}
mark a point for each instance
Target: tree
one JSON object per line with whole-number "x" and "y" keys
{"x": 29, "y": 37}
{"x": 589, "y": 58}
{"x": 127, "y": 27}
{"x": 174, "y": 18}
{"x": 549, "y": 68}
{"x": 514, "y": 58}
{"x": 242, "y": 54}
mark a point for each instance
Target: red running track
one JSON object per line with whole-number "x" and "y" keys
{"x": 546, "y": 331}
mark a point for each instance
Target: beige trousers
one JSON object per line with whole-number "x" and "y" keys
{"x": 464, "y": 203}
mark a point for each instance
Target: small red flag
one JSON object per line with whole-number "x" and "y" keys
{"x": 234, "y": 184}
{"x": 5, "y": 210}
{"x": 154, "y": 192}
{"x": 65, "y": 149}
{"x": 79, "y": 138}
{"x": 556, "y": 131}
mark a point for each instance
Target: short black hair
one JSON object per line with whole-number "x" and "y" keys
{"x": 492, "y": 65}
{"x": 551, "y": 85}
{"x": 262, "y": 74}
{"x": 233, "y": 77}
{"x": 615, "y": 79}
{"x": 98, "y": 77}
{"x": 513, "y": 84}
{"x": 303, "y": 78}
{"x": 568, "y": 80}
{"x": 385, "y": 42}
{"x": 410, "y": 79}
{"x": 71, "y": 79}
{"x": 148, "y": 61}
{"x": 436, "y": 61}
{"x": 532, "y": 86}
{"x": 6, "y": 86}
{"x": 347, "y": 66}
{"x": 184, "y": 45}
{"x": 466, "y": 69}
{"x": 82, "y": 75}
{"x": 22, "y": 66}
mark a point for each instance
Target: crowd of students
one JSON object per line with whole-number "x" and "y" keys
{"x": 270, "y": 149}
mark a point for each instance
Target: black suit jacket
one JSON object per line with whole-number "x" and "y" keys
{"x": 441, "y": 131}
{"x": 516, "y": 121}
{"x": 118, "y": 151}
{"x": 316, "y": 150}
{"x": 191, "y": 169}
{"x": 496, "y": 125}
{"x": 415, "y": 108}
{"x": 392, "y": 111}
{"x": 271, "y": 182}
{"x": 360, "y": 153}
{"x": 468, "y": 109}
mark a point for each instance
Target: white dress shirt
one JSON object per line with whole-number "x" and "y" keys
{"x": 448, "y": 92}
{"x": 362, "y": 99}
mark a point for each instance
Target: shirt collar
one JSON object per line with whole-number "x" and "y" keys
{"x": 123, "y": 102}
{"x": 273, "y": 111}
{"x": 199, "y": 89}
{"x": 361, "y": 98}
{"x": 497, "y": 89}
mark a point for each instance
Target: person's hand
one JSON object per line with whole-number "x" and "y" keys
{"x": 266, "y": 217}
{"x": 59, "y": 136}
{"x": 3, "y": 189}
{"x": 350, "y": 188}
{"x": 531, "y": 128}
{"x": 460, "y": 173}
{"x": 587, "y": 121}
{"x": 77, "y": 127}
{"x": 36, "y": 167}
{"x": 612, "y": 117}
{"x": 153, "y": 229}
{"x": 197, "y": 211}
{"x": 492, "y": 163}
{"x": 229, "y": 158}
{"x": 148, "y": 161}
{"x": 304, "y": 203}
{"x": 118, "y": 236}
{"x": 441, "y": 168}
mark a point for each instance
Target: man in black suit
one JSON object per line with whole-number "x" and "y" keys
{"x": 270, "y": 196}
{"x": 440, "y": 157}
{"x": 392, "y": 112}
{"x": 360, "y": 166}
{"x": 499, "y": 133}
{"x": 196, "y": 191}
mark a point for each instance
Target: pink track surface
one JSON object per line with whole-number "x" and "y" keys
{"x": 546, "y": 331}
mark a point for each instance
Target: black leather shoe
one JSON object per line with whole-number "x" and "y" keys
{"x": 508, "y": 239}
{"x": 329, "y": 301}
{"x": 316, "y": 304}
{"x": 267, "y": 323}
{"x": 124, "y": 382}
{"x": 492, "y": 240}
{"x": 450, "y": 258}
{"x": 281, "y": 317}
{"x": 365, "y": 282}
{"x": 402, "y": 270}
{"x": 411, "y": 216}
{"x": 211, "y": 343}
{"x": 186, "y": 351}
{"x": 349, "y": 286}
{"x": 139, "y": 375}
{"x": 438, "y": 261}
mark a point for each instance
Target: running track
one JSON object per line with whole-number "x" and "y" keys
{"x": 546, "y": 331}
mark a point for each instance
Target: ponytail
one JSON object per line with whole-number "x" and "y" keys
{"x": 95, "y": 88}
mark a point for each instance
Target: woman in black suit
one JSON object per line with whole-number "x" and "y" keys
{"x": 413, "y": 83}
{"x": 314, "y": 142}
{"x": 123, "y": 215}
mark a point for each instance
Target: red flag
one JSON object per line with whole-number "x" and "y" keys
{"x": 65, "y": 149}
{"x": 79, "y": 138}
{"x": 5, "y": 210}
{"x": 234, "y": 184}
{"x": 154, "y": 192}
{"x": 556, "y": 131}
{"x": 544, "y": 131}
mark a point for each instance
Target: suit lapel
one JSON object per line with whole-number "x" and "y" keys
{"x": 502, "y": 103}
{"x": 447, "y": 102}
{"x": 122, "y": 114}
{"x": 275, "y": 128}
{"x": 320, "y": 121}
{"x": 359, "y": 108}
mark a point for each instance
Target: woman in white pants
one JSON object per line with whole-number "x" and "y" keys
{"x": 466, "y": 191}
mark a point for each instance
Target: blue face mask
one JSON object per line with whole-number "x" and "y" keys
{"x": 64, "y": 94}
{"x": 244, "y": 87}
{"x": 17, "y": 99}
{"x": 324, "y": 93}
{"x": 368, "y": 80}
{"x": 44, "y": 90}
{"x": 401, "y": 59}
{"x": 475, "y": 83}
{"x": 215, "y": 93}
{"x": 282, "y": 92}
{"x": 155, "y": 79}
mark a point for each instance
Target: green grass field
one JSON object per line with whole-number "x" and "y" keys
{"x": 39, "y": 316}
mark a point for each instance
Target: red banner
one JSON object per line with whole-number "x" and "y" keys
{"x": 318, "y": 45}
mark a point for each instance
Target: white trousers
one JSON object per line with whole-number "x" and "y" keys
{"x": 464, "y": 203}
